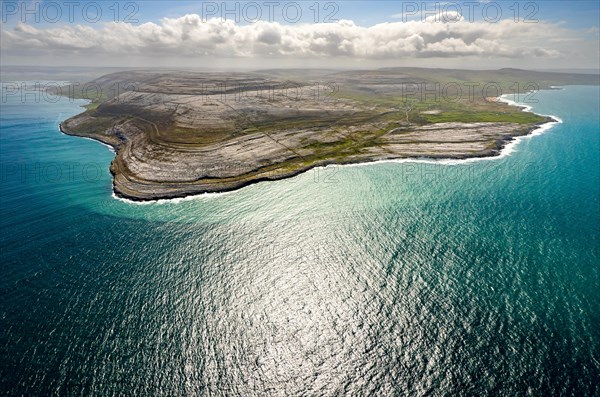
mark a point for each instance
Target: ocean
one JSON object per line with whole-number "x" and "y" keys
{"x": 386, "y": 279}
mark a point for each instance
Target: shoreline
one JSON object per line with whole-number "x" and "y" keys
{"x": 507, "y": 147}
{"x": 506, "y": 151}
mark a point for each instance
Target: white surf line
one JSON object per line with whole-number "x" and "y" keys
{"x": 85, "y": 137}
{"x": 102, "y": 143}
{"x": 97, "y": 141}
{"x": 177, "y": 200}
{"x": 538, "y": 131}
{"x": 506, "y": 151}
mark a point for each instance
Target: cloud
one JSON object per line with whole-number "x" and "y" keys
{"x": 190, "y": 36}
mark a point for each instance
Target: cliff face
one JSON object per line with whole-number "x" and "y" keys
{"x": 182, "y": 133}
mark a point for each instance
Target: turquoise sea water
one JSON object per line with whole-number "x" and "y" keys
{"x": 384, "y": 279}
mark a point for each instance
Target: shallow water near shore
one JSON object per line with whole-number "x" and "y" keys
{"x": 401, "y": 278}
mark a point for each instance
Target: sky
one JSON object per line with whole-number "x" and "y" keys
{"x": 333, "y": 34}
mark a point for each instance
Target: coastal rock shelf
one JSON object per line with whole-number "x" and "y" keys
{"x": 175, "y": 137}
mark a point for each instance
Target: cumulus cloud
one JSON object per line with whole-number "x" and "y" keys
{"x": 189, "y": 35}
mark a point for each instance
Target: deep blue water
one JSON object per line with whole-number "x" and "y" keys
{"x": 384, "y": 279}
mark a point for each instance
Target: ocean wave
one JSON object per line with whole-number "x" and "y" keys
{"x": 176, "y": 200}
